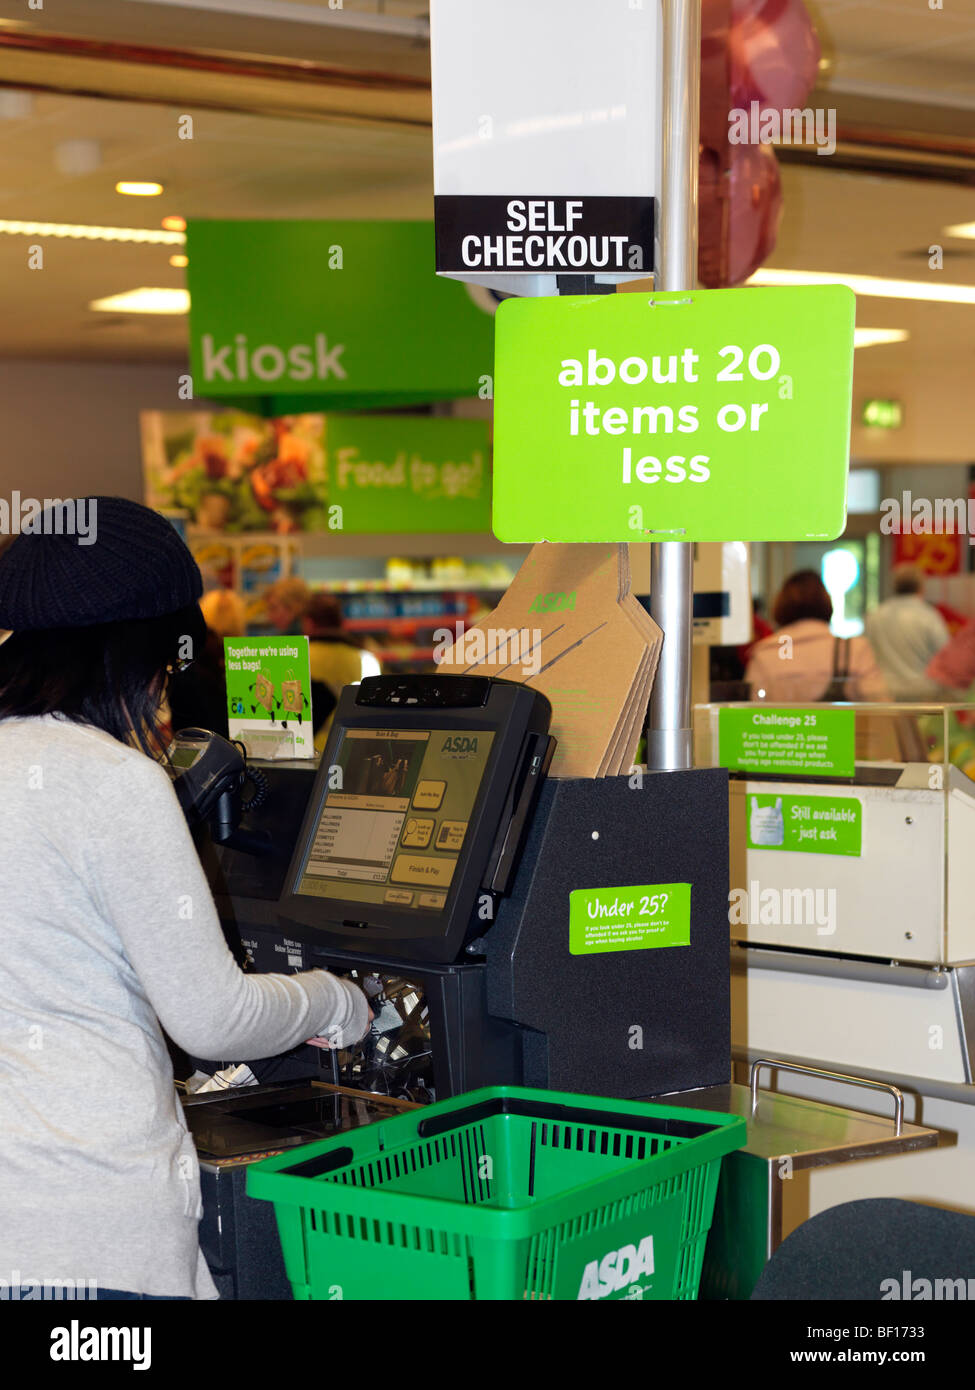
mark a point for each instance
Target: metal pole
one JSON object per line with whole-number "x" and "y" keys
{"x": 671, "y": 579}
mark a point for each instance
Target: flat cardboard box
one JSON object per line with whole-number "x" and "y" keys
{"x": 566, "y": 627}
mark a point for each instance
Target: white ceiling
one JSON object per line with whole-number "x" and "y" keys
{"x": 247, "y": 166}
{"x": 901, "y": 49}
{"x": 235, "y": 166}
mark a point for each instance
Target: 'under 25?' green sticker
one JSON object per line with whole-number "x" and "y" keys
{"x": 639, "y": 917}
{"x": 706, "y": 415}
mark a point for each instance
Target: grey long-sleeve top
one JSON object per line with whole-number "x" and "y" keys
{"x": 107, "y": 929}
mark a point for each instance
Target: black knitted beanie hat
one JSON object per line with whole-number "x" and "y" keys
{"x": 94, "y": 560}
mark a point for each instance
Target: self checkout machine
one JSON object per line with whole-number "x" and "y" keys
{"x": 430, "y": 858}
{"x": 853, "y": 928}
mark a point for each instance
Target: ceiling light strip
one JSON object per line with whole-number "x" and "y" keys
{"x": 154, "y": 236}
{"x": 874, "y": 286}
{"x": 876, "y": 337}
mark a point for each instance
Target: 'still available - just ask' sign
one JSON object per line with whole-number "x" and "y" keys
{"x": 702, "y": 416}
{"x": 806, "y": 824}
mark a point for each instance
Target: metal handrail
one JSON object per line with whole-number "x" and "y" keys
{"x": 829, "y": 1076}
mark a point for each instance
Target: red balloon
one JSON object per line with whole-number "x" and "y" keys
{"x": 774, "y": 53}
{"x": 711, "y": 250}
{"x": 753, "y": 192}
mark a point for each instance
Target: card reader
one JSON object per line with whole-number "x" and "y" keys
{"x": 209, "y": 775}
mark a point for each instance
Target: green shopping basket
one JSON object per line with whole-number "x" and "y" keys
{"x": 503, "y": 1193}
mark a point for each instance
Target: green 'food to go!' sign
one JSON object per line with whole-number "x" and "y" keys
{"x": 807, "y": 824}
{"x": 399, "y": 473}
{"x": 636, "y": 918}
{"x": 710, "y": 415}
{"x": 813, "y": 742}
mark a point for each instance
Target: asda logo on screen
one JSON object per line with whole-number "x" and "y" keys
{"x": 237, "y": 360}
{"x": 461, "y": 746}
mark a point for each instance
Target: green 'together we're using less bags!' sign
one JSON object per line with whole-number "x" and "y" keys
{"x": 269, "y": 696}
{"x": 704, "y": 415}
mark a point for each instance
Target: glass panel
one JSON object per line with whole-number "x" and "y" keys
{"x": 901, "y": 744}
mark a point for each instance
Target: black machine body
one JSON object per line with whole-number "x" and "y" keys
{"x": 463, "y": 1000}
{"x": 420, "y": 806}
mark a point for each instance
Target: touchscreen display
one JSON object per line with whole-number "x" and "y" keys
{"x": 395, "y": 817}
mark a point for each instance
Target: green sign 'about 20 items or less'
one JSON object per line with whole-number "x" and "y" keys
{"x": 815, "y": 742}
{"x": 702, "y": 416}
{"x": 635, "y": 918}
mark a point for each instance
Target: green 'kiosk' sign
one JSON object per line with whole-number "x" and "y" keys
{"x": 330, "y": 315}
{"x": 702, "y": 416}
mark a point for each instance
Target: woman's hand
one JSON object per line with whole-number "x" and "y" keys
{"x": 328, "y": 1042}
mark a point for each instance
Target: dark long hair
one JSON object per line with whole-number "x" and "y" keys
{"x": 110, "y": 675}
{"x": 803, "y": 595}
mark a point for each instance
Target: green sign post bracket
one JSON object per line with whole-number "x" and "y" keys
{"x": 705, "y": 415}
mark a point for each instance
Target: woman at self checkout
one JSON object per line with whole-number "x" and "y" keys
{"x": 108, "y": 930}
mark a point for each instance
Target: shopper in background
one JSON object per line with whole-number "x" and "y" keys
{"x": 337, "y": 659}
{"x": 98, "y": 1174}
{"x": 198, "y": 695}
{"x": 906, "y": 633}
{"x": 952, "y": 668}
{"x": 286, "y": 601}
{"x": 803, "y": 660}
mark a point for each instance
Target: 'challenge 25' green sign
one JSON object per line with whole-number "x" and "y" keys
{"x": 710, "y": 415}
{"x": 817, "y": 742}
